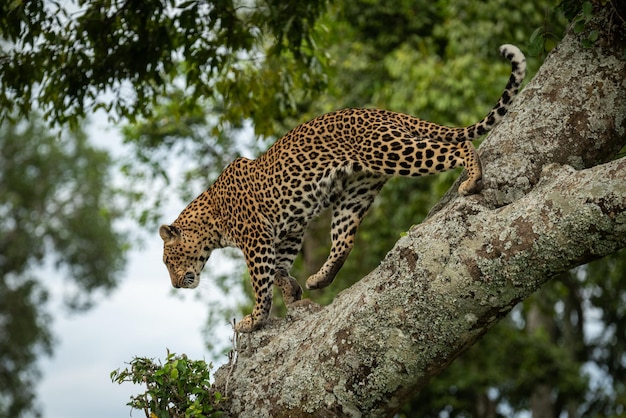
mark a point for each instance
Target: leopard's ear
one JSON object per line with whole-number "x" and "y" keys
{"x": 169, "y": 233}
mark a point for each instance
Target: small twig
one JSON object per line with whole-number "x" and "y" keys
{"x": 232, "y": 358}
{"x": 616, "y": 12}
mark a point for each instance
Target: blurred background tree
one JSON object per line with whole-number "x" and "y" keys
{"x": 209, "y": 81}
{"x": 57, "y": 207}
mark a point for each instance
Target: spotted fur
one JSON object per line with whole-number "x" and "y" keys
{"x": 339, "y": 160}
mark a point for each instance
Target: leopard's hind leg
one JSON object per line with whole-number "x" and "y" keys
{"x": 471, "y": 161}
{"x": 348, "y": 210}
{"x": 404, "y": 153}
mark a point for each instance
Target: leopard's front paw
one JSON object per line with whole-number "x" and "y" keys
{"x": 470, "y": 186}
{"x": 317, "y": 281}
{"x": 247, "y": 324}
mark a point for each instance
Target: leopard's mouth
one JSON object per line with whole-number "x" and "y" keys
{"x": 189, "y": 281}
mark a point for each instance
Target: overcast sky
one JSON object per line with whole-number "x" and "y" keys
{"x": 140, "y": 318}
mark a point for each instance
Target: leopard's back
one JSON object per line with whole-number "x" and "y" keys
{"x": 310, "y": 167}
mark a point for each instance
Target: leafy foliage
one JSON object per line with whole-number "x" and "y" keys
{"x": 179, "y": 388}
{"x": 122, "y": 56}
{"x": 157, "y": 143}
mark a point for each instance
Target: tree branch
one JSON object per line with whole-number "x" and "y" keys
{"x": 551, "y": 202}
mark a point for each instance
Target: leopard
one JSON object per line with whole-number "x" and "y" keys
{"x": 339, "y": 160}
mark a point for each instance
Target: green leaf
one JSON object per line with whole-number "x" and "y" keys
{"x": 537, "y": 33}
{"x": 536, "y": 45}
{"x": 579, "y": 26}
{"x": 587, "y": 10}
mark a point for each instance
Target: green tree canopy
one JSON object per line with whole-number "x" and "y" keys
{"x": 70, "y": 58}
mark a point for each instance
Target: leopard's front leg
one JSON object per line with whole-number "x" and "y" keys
{"x": 261, "y": 265}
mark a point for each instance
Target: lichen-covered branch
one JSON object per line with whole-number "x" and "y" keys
{"x": 554, "y": 199}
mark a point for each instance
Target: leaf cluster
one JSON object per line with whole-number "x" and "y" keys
{"x": 178, "y": 388}
{"x": 121, "y": 55}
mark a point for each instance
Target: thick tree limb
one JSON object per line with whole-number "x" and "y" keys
{"x": 551, "y": 202}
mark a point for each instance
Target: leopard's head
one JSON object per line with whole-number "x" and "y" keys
{"x": 184, "y": 255}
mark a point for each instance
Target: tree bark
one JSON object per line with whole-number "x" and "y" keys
{"x": 553, "y": 199}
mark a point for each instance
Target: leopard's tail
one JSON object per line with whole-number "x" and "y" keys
{"x": 518, "y": 72}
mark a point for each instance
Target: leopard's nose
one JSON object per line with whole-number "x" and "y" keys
{"x": 189, "y": 278}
